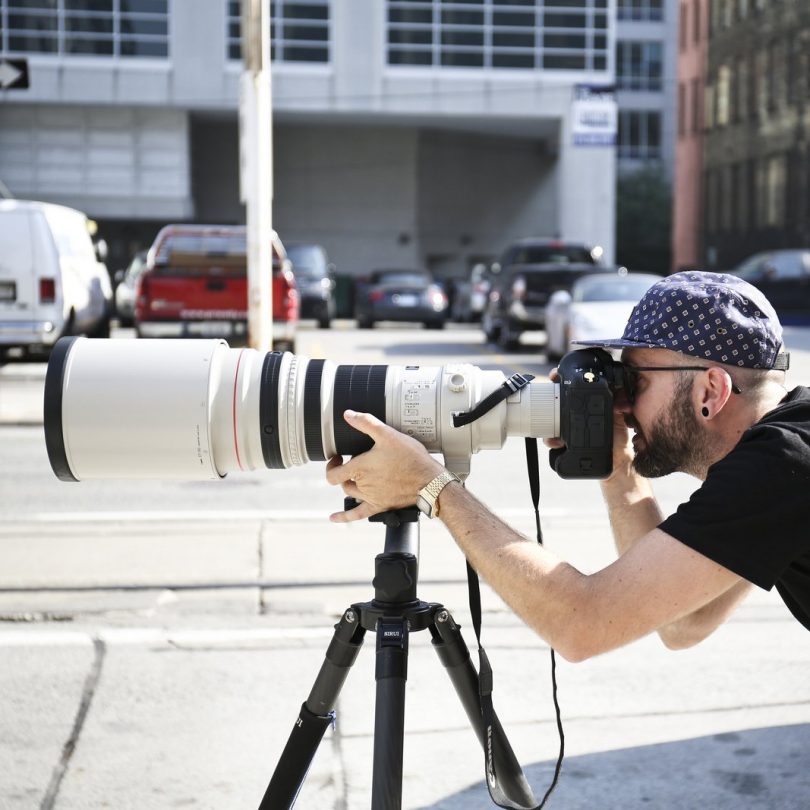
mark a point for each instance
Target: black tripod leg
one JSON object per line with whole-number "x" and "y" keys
{"x": 315, "y": 716}
{"x": 455, "y": 657}
{"x": 389, "y": 714}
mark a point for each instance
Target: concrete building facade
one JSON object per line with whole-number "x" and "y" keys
{"x": 693, "y": 37}
{"x": 756, "y": 167}
{"x": 405, "y": 133}
{"x": 646, "y": 68}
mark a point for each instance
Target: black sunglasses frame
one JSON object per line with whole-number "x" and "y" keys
{"x": 630, "y": 377}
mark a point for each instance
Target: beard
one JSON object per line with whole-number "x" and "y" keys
{"x": 676, "y": 442}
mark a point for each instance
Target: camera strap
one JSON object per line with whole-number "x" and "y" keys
{"x": 485, "y": 677}
{"x": 504, "y": 391}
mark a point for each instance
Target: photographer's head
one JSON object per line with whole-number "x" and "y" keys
{"x": 702, "y": 352}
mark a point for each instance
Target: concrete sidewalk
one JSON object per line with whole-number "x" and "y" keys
{"x": 163, "y": 665}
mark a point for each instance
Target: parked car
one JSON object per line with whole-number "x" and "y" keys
{"x": 784, "y": 277}
{"x": 401, "y": 295}
{"x": 51, "y": 282}
{"x": 470, "y": 298}
{"x": 127, "y": 283}
{"x": 314, "y": 276}
{"x": 529, "y": 272}
{"x": 597, "y": 306}
{"x": 195, "y": 285}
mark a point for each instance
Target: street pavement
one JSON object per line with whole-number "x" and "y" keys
{"x": 156, "y": 655}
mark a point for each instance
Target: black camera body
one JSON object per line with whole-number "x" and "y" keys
{"x": 588, "y": 378}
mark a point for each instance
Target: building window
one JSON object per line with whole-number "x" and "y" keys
{"x": 299, "y": 30}
{"x": 696, "y": 21}
{"x": 697, "y": 107}
{"x": 742, "y": 197}
{"x": 639, "y": 65}
{"x": 742, "y": 107}
{"x": 640, "y": 134}
{"x": 775, "y": 188}
{"x": 641, "y": 10}
{"x": 723, "y": 91}
{"x": 683, "y": 25}
{"x": 527, "y": 34}
{"x": 681, "y": 109}
{"x": 119, "y": 28}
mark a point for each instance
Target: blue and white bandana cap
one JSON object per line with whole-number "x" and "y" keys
{"x": 711, "y": 316}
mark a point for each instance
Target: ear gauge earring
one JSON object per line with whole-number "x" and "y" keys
{"x": 705, "y": 411}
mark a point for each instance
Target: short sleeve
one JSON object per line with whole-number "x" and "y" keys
{"x": 750, "y": 514}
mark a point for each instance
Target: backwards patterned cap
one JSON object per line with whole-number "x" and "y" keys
{"x": 713, "y": 316}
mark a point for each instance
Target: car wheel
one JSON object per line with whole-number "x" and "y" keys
{"x": 435, "y": 324}
{"x": 492, "y": 331}
{"x": 507, "y": 339}
{"x": 364, "y": 323}
{"x": 284, "y": 346}
{"x": 324, "y": 323}
{"x": 103, "y": 328}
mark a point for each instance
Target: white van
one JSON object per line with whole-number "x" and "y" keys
{"x": 51, "y": 282}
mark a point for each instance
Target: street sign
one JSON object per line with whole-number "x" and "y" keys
{"x": 13, "y": 74}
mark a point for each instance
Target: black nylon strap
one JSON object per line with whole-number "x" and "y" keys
{"x": 485, "y": 676}
{"x": 505, "y": 390}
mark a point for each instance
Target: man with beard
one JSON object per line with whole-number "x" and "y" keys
{"x": 703, "y": 394}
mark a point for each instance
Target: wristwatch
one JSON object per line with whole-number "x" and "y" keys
{"x": 427, "y": 499}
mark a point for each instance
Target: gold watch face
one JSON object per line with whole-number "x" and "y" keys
{"x": 424, "y": 505}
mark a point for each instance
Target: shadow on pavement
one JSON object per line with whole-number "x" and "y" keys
{"x": 753, "y": 768}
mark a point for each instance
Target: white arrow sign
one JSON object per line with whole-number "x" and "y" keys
{"x": 13, "y": 73}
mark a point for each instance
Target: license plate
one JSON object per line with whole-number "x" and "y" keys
{"x": 8, "y": 291}
{"x": 406, "y": 300}
{"x": 211, "y": 328}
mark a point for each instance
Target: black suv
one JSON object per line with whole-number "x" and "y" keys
{"x": 524, "y": 279}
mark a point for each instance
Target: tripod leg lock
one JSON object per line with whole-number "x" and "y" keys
{"x": 315, "y": 724}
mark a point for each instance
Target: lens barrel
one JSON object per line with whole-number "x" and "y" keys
{"x": 197, "y": 409}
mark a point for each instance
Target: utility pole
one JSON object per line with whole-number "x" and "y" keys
{"x": 256, "y": 168}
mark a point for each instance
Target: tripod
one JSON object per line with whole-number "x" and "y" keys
{"x": 393, "y": 613}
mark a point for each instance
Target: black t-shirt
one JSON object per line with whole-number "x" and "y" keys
{"x": 752, "y": 513}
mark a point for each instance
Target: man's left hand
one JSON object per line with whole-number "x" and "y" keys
{"x": 388, "y": 476}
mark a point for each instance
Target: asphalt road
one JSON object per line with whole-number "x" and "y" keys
{"x": 156, "y": 640}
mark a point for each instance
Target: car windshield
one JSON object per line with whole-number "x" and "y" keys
{"x": 402, "y": 278}
{"x": 611, "y": 288}
{"x": 308, "y": 261}
{"x": 554, "y": 254}
{"x": 136, "y": 267}
{"x": 781, "y": 264}
{"x": 210, "y": 244}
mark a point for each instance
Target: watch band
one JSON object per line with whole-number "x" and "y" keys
{"x": 427, "y": 500}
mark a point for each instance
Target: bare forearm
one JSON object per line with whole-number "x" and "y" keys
{"x": 632, "y": 507}
{"x": 691, "y": 629}
{"x": 543, "y": 590}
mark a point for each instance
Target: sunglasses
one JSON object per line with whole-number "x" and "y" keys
{"x": 630, "y": 376}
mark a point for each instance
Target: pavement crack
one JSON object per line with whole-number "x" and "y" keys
{"x": 260, "y": 563}
{"x": 88, "y": 692}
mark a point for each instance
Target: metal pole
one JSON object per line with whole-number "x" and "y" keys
{"x": 256, "y": 168}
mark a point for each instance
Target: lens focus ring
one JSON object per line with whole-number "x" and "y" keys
{"x": 268, "y": 411}
{"x": 359, "y": 388}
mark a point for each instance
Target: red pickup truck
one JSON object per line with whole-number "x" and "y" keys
{"x": 195, "y": 285}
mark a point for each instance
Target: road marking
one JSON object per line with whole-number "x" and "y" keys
{"x": 141, "y": 636}
{"x": 275, "y": 515}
